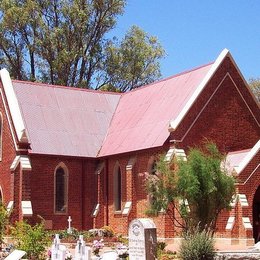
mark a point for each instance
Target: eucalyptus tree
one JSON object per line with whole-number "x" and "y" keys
{"x": 66, "y": 42}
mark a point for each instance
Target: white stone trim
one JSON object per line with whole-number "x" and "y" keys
{"x": 27, "y": 208}
{"x": 24, "y": 161}
{"x": 230, "y": 223}
{"x": 13, "y": 106}
{"x": 243, "y": 200}
{"x": 247, "y": 223}
{"x": 131, "y": 163}
{"x": 178, "y": 153}
{"x": 248, "y": 158}
{"x": 251, "y": 174}
{"x": 127, "y": 208}
{"x": 10, "y": 206}
{"x": 174, "y": 123}
{"x": 96, "y": 210}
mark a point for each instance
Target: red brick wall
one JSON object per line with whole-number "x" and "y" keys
{"x": 8, "y": 155}
{"x": 81, "y": 190}
{"x": 226, "y": 119}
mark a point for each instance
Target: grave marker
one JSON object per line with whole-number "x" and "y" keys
{"x": 142, "y": 239}
{"x": 69, "y": 228}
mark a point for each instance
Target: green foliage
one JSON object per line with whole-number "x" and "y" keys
{"x": 160, "y": 248}
{"x": 198, "y": 188}
{"x": 3, "y": 221}
{"x": 108, "y": 231}
{"x": 134, "y": 61}
{"x": 254, "y": 84}
{"x": 65, "y": 42}
{"x": 197, "y": 245}
{"x": 203, "y": 182}
{"x": 32, "y": 239}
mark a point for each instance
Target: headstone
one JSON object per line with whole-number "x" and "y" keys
{"x": 82, "y": 252}
{"x": 69, "y": 228}
{"x": 58, "y": 251}
{"x": 142, "y": 239}
{"x": 16, "y": 255}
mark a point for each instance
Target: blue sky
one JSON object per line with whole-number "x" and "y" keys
{"x": 194, "y": 32}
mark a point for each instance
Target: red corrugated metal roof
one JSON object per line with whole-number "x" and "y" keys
{"x": 142, "y": 117}
{"x": 75, "y": 122}
{"x": 63, "y": 120}
{"x": 234, "y": 159}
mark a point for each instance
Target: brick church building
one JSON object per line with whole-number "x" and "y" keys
{"x": 85, "y": 154}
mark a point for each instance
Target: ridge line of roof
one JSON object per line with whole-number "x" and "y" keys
{"x": 65, "y": 87}
{"x": 170, "y": 77}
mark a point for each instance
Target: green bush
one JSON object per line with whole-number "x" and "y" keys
{"x": 197, "y": 245}
{"x": 3, "y": 221}
{"x": 32, "y": 239}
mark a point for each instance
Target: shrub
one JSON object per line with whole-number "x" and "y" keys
{"x": 197, "y": 245}
{"x": 3, "y": 221}
{"x": 32, "y": 239}
{"x": 160, "y": 248}
{"x": 108, "y": 231}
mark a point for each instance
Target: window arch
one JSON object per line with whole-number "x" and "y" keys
{"x": 61, "y": 189}
{"x": 117, "y": 188}
{"x": 1, "y": 136}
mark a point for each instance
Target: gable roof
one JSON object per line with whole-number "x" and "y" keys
{"x": 62, "y": 120}
{"x": 74, "y": 122}
{"x": 238, "y": 160}
{"x": 142, "y": 117}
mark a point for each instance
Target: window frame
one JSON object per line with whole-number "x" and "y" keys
{"x": 66, "y": 181}
{"x": 117, "y": 188}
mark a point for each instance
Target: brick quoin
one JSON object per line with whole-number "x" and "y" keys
{"x": 224, "y": 113}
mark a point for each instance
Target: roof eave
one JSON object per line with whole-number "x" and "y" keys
{"x": 247, "y": 158}
{"x": 13, "y": 106}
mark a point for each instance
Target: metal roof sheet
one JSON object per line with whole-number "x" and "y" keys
{"x": 233, "y": 159}
{"x": 142, "y": 116}
{"x": 63, "y": 120}
{"x": 75, "y": 122}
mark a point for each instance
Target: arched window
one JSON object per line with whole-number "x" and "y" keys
{"x": 1, "y": 136}
{"x": 117, "y": 188}
{"x": 151, "y": 171}
{"x": 61, "y": 189}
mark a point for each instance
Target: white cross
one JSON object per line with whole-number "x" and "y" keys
{"x": 69, "y": 221}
